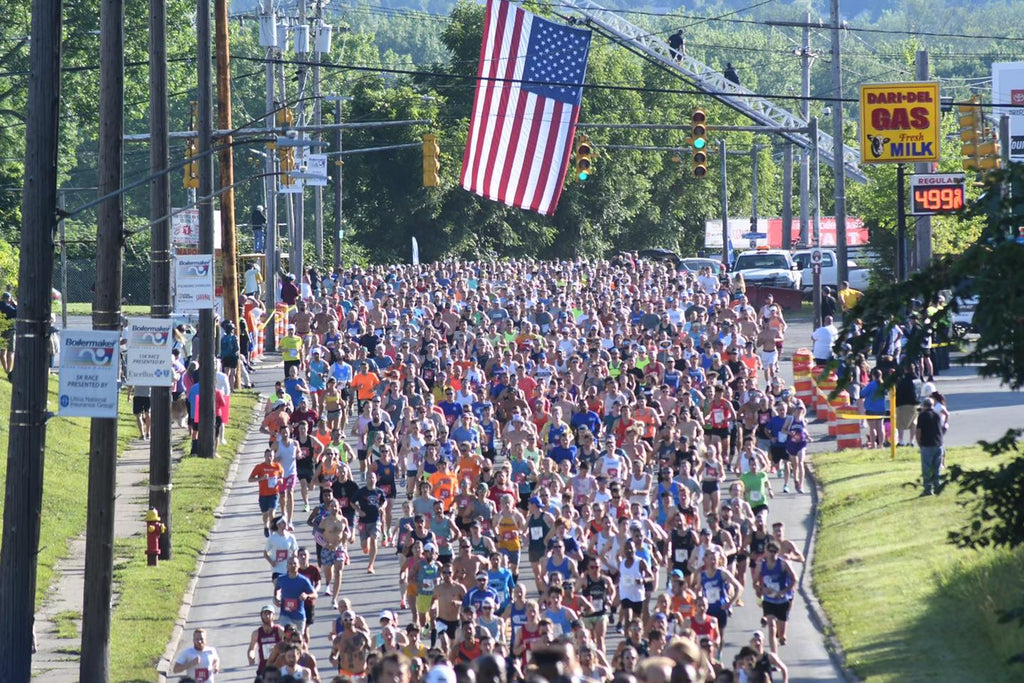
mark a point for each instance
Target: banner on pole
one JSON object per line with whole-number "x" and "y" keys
{"x": 193, "y": 282}
{"x": 149, "y": 352}
{"x": 316, "y": 165}
{"x": 89, "y": 366}
{"x": 415, "y": 252}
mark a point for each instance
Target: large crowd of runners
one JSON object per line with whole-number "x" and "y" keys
{"x": 575, "y": 463}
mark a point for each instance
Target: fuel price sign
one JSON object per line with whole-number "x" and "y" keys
{"x": 936, "y": 193}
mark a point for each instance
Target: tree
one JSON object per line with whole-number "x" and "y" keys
{"x": 989, "y": 268}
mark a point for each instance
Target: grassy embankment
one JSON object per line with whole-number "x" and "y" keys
{"x": 906, "y": 605}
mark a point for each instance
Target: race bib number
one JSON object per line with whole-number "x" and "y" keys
{"x": 202, "y": 675}
{"x": 755, "y": 496}
{"x": 771, "y": 584}
{"x": 682, "y": 554}
{"x": 783, "y": 438}
{"x": 272, "y": 482}
{"x": 290, "y": 605}
{"x": 445, "y": 494}
{"x": 718, "y": 416}
{"x": 387, "y": 489}
{"x": 428, "y": 584}
{"x": 281, "y": 555}
{"x": 713, "y": 594}
{"x": 509, "y": 536}
{"x": 536, "y": 533}
{"x": 613, "y": 473}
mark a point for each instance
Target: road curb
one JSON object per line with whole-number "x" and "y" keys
{"x": 163, "y": 666}
{"x": 818, "y": 616}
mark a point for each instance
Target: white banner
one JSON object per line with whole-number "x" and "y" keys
{"x": 738, "y": 227}
{"x": 185, "y": 228}
{"x": 89, "y": 361}
{"x": 1008, "y": 89}
{"x": 316, "y": 165}
{"x": 415, "y": 252}
{"x": 149, "y": 352}
{"x": 193, "y": 282}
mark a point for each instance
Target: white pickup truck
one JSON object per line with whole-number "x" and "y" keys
{"x": 857, "y": 276}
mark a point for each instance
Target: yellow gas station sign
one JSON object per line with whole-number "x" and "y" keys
{"x": 899, "y": 122}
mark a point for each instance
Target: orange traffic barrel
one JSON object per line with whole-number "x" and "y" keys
{"x": 840, "y": 401}
{"x": 848, "y": 434}
{"x": 803, "y": 361}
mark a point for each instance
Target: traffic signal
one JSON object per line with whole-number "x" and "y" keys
{"x": 431, "y": 161}
{"x": 699, "y": 141}
{"x": 192, "y": 166}
{"x": 584, "y": 157}
{"x": 989, "y": 158}
{"x": 971, "y": 126}
{"x": 286, "y": 159}
{"x": 285, "y": 117}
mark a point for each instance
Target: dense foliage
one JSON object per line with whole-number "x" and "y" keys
{"x": 402, "y": 59}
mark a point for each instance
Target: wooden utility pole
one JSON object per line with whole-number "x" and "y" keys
{"x": 106, "y": 315}
{"x": 227, "y": 171}
{"x": 207, "y": 334}
{"x": 838, "y": 165}
{"x": 338, "y": 171}
{"x": 26, "y": 446}
{"x": 160, "y": 264}
{"x": 725, "y": 204}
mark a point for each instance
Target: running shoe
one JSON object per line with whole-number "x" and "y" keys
{"x": 785, "y": 488}
{"x": 266, "y": 532}
{"x": 305, "y": 507}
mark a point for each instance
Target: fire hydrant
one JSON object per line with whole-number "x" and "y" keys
{"x": 154, "y": 527}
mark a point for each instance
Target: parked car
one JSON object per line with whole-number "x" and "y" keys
{"x": 768, "y": 268}
{"x": 695, "y": 264}
{"x": 858, "y": 277}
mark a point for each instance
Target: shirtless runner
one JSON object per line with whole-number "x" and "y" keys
{"x": 337, "y": 534}
{"x": 350, "y": 648}
{"x": 449, "y": 596}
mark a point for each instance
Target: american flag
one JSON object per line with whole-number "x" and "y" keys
{"x": 527, "y": 102}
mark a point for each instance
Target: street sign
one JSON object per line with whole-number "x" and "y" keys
{"x": 193, "y": 282}
{"x": 936, "y": 193}
{"x": 816, "y": 258}
{"x": 899, "y": 122}
{"x": 816, "y": 268}
{"x": 754, "y": 236}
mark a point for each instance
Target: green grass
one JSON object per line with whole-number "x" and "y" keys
{"x": 151, "y": 597}
{"x": 906, "y": 605}
{"x": 66, "y": 624}
{"x": 65, "y": 479}
{"x": 85, "y": 308}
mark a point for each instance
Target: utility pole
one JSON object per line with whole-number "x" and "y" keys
{"x": 289, "y": 204}
{"x": 816, "y": 195}
{"x": 106, "y": 315}
{"x": 26, "y": 445}
{"x": 923, "y": 233}
{"x": 228, "y": 241}
{"x": 805, "y": 112}
{"x": 901, "y": 224}
{"x": 725, "y": 205}
{"x": 160, "y": 263}
{"x": 787, "y": 195}
{"x": 299, "y": 198}
{"x": 838, "y": 168}
{"x": 338, "y": 172}
{"x": 318, "y": 191}
{"x": 204, "y": 125}
{"x": 753, "y": 186}
{"x": 270, "y": 182}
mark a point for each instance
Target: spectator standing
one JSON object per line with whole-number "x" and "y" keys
{"x": 258, "y": 222}
{"x": 929, "y": 439}
{"x": 8, "y": 311}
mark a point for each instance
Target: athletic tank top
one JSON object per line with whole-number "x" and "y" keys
{"x": 631, "y": 585}
{"x": 715, "y": 590}
{"x": 758, "y": 543}
{"x": 682, "y": 545}
{"x": 596, "y": 592}
{"x": 776, "y": 579}
{"x": 508, "y": 535}
{"x": 266, "y": 643}
{"x": 538, "y": 530}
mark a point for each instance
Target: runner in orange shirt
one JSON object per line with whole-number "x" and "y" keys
{"x": 365, "y": 383}
{"x": 269, "y": 474}
{"x": 444, "y": 483}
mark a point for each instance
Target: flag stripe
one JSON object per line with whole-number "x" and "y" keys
{"x": 501, "y": 120}
{"x": 481, "y": 118}
{"x": 469, "y": 156}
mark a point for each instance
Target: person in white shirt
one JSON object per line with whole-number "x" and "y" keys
{"x": 824, "y": 339}
{"x": 253, "y": 280}
{"x": 199, "y": 661}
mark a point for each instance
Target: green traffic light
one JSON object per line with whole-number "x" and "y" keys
{"x": 699, "y": 143}
{"x": 583, "y": 175}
